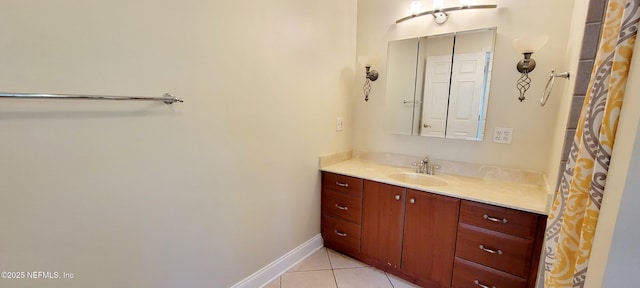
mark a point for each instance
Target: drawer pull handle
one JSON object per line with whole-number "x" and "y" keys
{"x": 397, "y": 197}
{"x": 345, "y": 185}
{"x": 499, "y": 252}
{"x": 344, "y": 208}
{"x": 412, "y": 201}
{"x": 340, "y": 233}
{"x": 481, "y": 285}
{"x": 492, "y": 219}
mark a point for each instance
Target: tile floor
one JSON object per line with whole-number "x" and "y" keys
{"x": 329, "y": 269}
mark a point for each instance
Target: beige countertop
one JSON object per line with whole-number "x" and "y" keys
{"x": 521, "y": 195}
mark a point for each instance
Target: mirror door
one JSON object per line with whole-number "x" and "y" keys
{"x": 436, "y": 54}
{"x": 450, "y": 82}
{"x": 401, "y": 83}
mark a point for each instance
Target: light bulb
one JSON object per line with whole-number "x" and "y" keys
{"x": 416, "y": 7}
{"x": 438, "y": 4}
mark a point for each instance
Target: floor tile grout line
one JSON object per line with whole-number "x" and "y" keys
{"x": 390, "y": 282}
{"x": 347, "y": 268}
{"x": 334, "y": 277}
{"x": 333, "y": 272}
{"x": 328, "y": 257}
{"x": 314, "y": 270}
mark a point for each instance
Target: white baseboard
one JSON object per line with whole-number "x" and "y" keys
{"x": 281, "y": 265}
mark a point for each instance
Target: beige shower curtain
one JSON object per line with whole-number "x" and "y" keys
{"x": 574, "y": 214}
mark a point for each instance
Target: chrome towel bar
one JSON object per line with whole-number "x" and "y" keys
{"x": 166, "y": 98}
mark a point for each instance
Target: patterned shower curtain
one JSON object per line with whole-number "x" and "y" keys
{"x": 574, "y": 215}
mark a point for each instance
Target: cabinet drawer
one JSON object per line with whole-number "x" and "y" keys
{"x": 468, "y": 274}
{"x": 341, "y": 183}
{"x": 505, "y": 220}
{"x": 497, "y": 250}
{"x": 341, "y": 205}
{"x": 340, "y": 232}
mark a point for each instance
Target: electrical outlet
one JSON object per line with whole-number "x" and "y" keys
{"x": 502, "y": 135}
{"x": 339, "y": 124}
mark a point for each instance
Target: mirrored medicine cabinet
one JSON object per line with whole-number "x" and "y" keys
{"x": 438, "y": 86}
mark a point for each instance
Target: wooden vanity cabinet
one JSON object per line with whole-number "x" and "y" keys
{"x": 341, "y": 207}
{"x": 430, "y": 239}
{"x": 410, "y": 231}
{"x": 497, "y": 247}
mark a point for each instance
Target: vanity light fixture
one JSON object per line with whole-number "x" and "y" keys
{"x": 370, "y": 75}
{"x": 438, "y": 11}
{"x": 527, "y": 46}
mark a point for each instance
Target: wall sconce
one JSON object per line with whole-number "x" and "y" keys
{"x": 438, "y": 11}
{"x": 527, "y": 46}
{"x": 370, "y": 75}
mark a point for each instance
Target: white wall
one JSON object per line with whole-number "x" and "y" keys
{"x": 198, "y": 194}
{"x": 534, "y": 126}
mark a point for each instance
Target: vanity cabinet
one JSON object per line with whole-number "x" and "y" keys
{"x": 497, "y": 247}
{"x": 410, "y": 231}
{"x": 430, "y": 239}
{"x": 341, "y": 206}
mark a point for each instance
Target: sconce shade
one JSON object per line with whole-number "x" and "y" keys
{"x": 367, "y": 61}
{"x": 530, "y": 44}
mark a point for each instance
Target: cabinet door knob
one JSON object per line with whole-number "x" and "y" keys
{"x": 344, "y": 208}
{"x": 493, "y": 219}
{"x": 499, "y": 252}
{"x": 412, "y": 201}
{"x": 340, "y": 233}
{"x": 397, "y": 197}
{"x": 481, "y": 285}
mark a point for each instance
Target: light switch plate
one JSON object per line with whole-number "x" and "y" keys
{"x": 339, "y": 124}
{"x": 502, "y": 135}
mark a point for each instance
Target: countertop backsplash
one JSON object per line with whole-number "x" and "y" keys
{"x": 459, "y": 168}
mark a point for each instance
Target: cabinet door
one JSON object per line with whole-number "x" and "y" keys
{"x": 429, "y": 237}
{"x": 382, "y": 219}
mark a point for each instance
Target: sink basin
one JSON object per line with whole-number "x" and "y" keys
{"x": 418, "y": 179}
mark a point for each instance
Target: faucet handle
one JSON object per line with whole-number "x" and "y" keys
{"x": 418, "y": 166}
{"x": 432, "y": 168}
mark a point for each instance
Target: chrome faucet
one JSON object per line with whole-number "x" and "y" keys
{"x": 425, "y": 166}
{"x": 421, "y": 167}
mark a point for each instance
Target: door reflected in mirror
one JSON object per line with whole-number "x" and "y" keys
{"x": 438, "y": 86}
